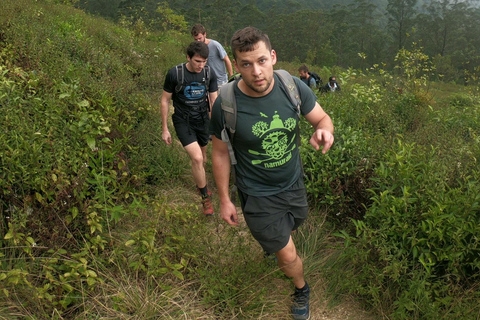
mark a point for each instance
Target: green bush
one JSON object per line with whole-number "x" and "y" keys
{"x": 417, "y": 243}
{"x": 73, "y": 90}
{"x": 338, "y": 180}
{"x": 157, "y": 162}
{"x": 410, "y": 249}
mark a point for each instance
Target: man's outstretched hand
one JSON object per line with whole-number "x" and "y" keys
{"x": 323, "y": 138}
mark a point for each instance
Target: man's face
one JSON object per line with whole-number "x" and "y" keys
{"x": 303, "y": 74}
{"x": 256, "y": 68}
{"x": 200, "y": 37}
{"x": 197, "y": 63}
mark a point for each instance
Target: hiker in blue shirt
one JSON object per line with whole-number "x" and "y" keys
{"x": 268, "y": 170}
{"x": 306, "y": 77}
{"x": 218, "y": 58}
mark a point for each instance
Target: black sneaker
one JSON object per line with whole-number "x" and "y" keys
{"x": 300, "y": 307}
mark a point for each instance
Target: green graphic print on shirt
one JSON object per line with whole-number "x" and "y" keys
{"x": 277, "y": 147}
{"x": 266, "y": 139}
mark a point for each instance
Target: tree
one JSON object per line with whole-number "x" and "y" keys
{"x": 367, "y": 33}
{"x": 104, "y": 8}
{"x": 400, "y": 19}
{"x": 295, "y": 35}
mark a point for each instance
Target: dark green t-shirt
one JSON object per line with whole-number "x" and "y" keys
{"x": 266, "y": 138}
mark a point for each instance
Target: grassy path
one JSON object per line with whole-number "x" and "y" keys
{"x": 234, "y": 280}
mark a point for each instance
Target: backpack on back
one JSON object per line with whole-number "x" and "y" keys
{"x": 181, "y": 77}
{"x": 317, "y": 78}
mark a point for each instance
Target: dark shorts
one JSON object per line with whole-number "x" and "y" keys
{"x": 191, "y": 130}
{"x": 272, "y": 219}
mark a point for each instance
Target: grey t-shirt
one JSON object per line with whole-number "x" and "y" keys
{"x": 215, "y": 61}
{"x": 266, "y": 141}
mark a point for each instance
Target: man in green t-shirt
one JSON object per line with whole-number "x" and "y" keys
{"x": 268, "y": 171}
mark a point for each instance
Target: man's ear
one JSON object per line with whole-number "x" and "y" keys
{"x": 274, "y": 57}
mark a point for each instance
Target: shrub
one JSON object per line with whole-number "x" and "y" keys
{"x": 417, "y": 243}
{"x": 72, "y": 89}
{"x": 338, "y": 179}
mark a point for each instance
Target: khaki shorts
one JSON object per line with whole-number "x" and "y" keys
{"x": 271, "y": 219}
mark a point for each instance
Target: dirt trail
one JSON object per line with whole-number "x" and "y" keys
{"x": 346, "y": 311}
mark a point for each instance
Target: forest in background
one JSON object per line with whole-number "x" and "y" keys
{"x": 355, "y": 34}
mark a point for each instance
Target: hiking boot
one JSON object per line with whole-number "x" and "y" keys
{"x": 300, "y": 307}
{"x": 207, "y": 204}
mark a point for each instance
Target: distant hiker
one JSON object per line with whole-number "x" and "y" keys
{"x": 331, "y": 86}
{"x": 307, "y": 77}
{"x": 266, "y": 148}
{"x": 217, "y": 58}
{"x": 193, "y": 88}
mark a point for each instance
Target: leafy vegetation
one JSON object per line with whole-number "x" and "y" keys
{"x": 347, "y": 33}
{"x": 401, "y": 184}
{"x": 99, "y": 218}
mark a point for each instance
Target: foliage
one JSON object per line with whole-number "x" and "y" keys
{"x": 73, "y": 90}
{"x": 323, "y": 33}
{"x": 416, "y": 68}
{"x": 419, "y": 244}
{"x": 410, "y": 246}
{"x": 379, "y": 115}
{"x": 336, "y": 181}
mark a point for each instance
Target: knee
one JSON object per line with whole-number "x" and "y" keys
{"x": 287, "y": 257}
{"x": 197, "y": 160}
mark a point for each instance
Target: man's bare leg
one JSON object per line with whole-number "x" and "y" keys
{"x": 291, "y": 264}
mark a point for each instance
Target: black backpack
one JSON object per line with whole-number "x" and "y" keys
{"x": 181, "y": 77}
{"x": 317, "y": 78}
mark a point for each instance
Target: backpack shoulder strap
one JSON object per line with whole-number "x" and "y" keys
{"x": 206, "y": 71}
{"x": 291, "y": 87}
{"x": 229, "y": 108}
{"x": 180, "y": 77}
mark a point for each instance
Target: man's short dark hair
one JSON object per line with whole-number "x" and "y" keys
{"x": 245, "y": 40}
{"x": 197, "y": 47}
{"x": 303, "y": 68}
{"x": 198, "y": 29}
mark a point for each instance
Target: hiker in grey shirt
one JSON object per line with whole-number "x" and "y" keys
{"x": 218, "y": 59}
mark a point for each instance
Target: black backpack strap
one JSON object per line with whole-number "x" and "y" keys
{"x": 207, "y": 72}
{"x": 180, "y": 77}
